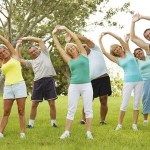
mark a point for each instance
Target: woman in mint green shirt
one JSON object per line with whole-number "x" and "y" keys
{"x": 76, "y": 57}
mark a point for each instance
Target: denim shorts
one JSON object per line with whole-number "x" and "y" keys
{"x": 15, "y": 91}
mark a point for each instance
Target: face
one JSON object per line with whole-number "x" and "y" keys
{"x": 139, "y": 54}
{"x": 71, "y": 49}
{"x": 147, "y": 35}
{"x": 118, "y": 50}
{"x": 34, "y": 52}
{"x": 4, "y": 53}
{"x": 86, "y": 48}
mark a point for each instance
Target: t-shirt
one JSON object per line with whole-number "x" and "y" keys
{"x": 42, "y": 65}
{"x": 97, "y": 63}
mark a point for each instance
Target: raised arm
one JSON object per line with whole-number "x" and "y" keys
{"x": 59, "y": 47}
{"x": 126, "y": 38}
{"x": 9, "y": 46}
{"x": 35, "y": 39}
{"x": 17, "y": 49}
{"x": 108, "y": 55}
{"x": 134, "y": 38}
{"x": 121, "y": 41}
{"x": 75, "y": 38}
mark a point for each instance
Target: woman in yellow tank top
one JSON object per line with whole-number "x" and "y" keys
{"x": 15, "y": 88}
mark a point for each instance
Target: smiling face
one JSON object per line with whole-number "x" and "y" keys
{"x": 4, "y": 53}
{"x": 147, "y": 34}
{"x": 34, "y": 52}
{"x": 116, "y": 50}
{"x": 138, "y": 53}
{"x": 71, "y": 49}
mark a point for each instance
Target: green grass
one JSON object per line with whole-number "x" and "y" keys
{"x": 44, "y": 137}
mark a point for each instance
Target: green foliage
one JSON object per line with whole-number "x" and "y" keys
{"x": 38, "y": 18}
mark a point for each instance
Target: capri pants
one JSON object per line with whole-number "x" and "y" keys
{"x": 74, "y": 92}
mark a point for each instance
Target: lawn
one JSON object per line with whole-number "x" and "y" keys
{"x": 44, "y": 137}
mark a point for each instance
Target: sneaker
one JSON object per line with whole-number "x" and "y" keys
{"x": 64, "y": 135}
{"x": 145, "y": 123}
{"x": 134, "y": 127}
{"x": 1, "y": 135}
{"x": 22, "y": 135}
{"x": 82, "y": 122}
{"x": 102, "y": 122}
{"x": 89, "y": 135}
{"x": 119, "y": 126}
{"x": 54, "y": 125}
{"x": 29, "y": 126}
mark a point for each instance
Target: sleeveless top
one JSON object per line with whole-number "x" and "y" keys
{"x": 130, "y": 67}
{"x": 79, "y": 70}
{"x": 12, "y": 72}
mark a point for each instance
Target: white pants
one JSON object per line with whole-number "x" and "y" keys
{"x": 74, "y": 92}
{"x": 128, "y": 87}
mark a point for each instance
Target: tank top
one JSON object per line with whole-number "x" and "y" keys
{"x": 130, "y": 67}
{"x": 79, "y": 70}
{"x": 12, "y": 72}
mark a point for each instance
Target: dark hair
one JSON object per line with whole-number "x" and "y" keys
{"x": 136, "y": 50}
{"x": 145, "y": 32}
{"x": 32, "y": 46}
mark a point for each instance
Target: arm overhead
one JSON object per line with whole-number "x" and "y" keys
{"x": 108, "y": 55}
{"x": 134, "y": 38}
{"x": 35, "y": 39}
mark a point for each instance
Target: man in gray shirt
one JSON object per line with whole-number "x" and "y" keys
{"x": 44, "y": 84}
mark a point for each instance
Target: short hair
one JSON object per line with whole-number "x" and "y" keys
{"x": 136, "y": 50}
{"x": 33, "y": 46}
{"x": 145, "y": 32}
{"x": 3, "y": 46}
{"x": 112, "y": 48}
{"x": 73, "y": 45}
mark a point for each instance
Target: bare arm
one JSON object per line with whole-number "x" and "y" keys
{"x": 58, "y": 46}
{"x": 145, "y": 17}
{"x": 35, "y": 39}
{"x": 18, "y": 44}
{"x": 127, "y": 37}
{"x": 75, "y": 38}
{"x": 134, "y": 38}
{"x": 108, "y": 55}
{"x": 9, "y": 46}
{"x": 121, "y": 41}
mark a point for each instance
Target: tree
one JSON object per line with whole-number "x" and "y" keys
{"x": 37, "y": 18}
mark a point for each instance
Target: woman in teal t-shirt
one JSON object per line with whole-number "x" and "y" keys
{"x": 76, "y": 57}
{"x": 121, "y": 55}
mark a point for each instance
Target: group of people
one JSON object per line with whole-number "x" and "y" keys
{"x": 89, "y": 77}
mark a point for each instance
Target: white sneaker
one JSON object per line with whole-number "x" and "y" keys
{"x": 134, "y": 127}
{"x": 145, "y": 123}
{"x": 22, "y": 135}
{"x": 1, "y": 135}
{"x": 89, "y": 135}
{"x": 119, "y": 126}
{"x": 64, "y": 135}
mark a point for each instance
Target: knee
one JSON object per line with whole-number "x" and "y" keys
{"x": 21, "y": 112}
{"x": 34, "y": 105}
{"x": 6, "y": 113}
{"x": 52, "y": 104}
{"x": 103, "y": 100}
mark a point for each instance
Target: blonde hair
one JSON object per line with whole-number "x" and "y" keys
{"x": 73, "y": 45}
{"x": 112, "y": 48}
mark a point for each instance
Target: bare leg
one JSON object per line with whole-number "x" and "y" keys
{"x": 7, "y": 109}
{"x": 103, "y": 107}
{"x": 21, "y": 112}
{"x": 121, "y": 117}
{"x": 145, "y": 116}
{"x": 52, "y": 109}
{"x": 135, "y": 116}
{"x": 83, "y": 115}
{"x": 88, "y": 123}
{"x": 33, "y": 111}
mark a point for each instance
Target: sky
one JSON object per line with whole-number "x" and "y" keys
{"x": 138, "y": 6}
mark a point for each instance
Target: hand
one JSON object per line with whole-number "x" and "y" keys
{"x": 67, "y": 38}
{"x": 55, "y": 31}
{"x": 136, "y": 17}
{"x": 19, "y": 42}
{"x": 102, "y": 34}
{"x": 127, "y": 37}
{"x": 60, "y": 27}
